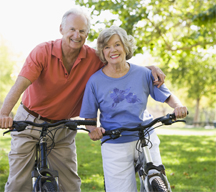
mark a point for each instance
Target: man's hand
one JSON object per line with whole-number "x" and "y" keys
{"x": 96, "y": 133}
{"x": 158, "y": 75}
{"x": 5, "y": 122}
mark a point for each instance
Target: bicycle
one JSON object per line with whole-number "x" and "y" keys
{"x": 43, "y": 178}
{"x": 151, "y": 177}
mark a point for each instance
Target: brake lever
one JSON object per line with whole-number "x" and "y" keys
{"x": 180, "y": 121}
{"x": 168, "y": 119}
{"x": 8, "y": 131}
{"x": 18, "y": 126}
{"x": 71, "y": 125}
{"x": 113, "y": 134}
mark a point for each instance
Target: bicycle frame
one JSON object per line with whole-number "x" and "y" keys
{"x": 41, "y": 172}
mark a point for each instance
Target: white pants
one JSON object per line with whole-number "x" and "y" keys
{"x": 118, "y": 164}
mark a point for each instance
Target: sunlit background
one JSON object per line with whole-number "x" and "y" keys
{"x": 26, "y": 23}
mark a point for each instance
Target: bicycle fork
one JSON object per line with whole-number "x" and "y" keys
{"x": 41, "y": 170}
{"x": 148, "y": 171}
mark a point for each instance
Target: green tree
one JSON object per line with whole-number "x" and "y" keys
{"x": 177, "y": 33}
{"x": 206, "y": 17}
{"x": 6, "y": 70}
{"x": 197, "y": 74}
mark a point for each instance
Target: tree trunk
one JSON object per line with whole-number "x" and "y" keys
{"x": 196, "y": 116}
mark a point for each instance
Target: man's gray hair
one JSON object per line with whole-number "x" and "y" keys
{"x": 127, "y": 40}
{"x": 77, "y": 11}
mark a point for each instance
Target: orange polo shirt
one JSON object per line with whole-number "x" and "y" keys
{"x": 55, "y": 94}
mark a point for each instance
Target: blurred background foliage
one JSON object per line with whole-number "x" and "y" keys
{"x": 179, "y": 35}
{"x": 9, "y": 69}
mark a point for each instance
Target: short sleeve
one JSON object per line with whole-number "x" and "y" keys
{"x": 34, "y": 64}
{"x": 89, "y": 104}
{"x": 158, "y": 94}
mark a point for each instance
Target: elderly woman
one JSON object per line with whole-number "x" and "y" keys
{"x": 120, "y": 91}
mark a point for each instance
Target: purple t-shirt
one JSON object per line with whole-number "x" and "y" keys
{"x": 121, "y": 101}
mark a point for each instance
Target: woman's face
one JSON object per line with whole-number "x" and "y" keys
{"x": 114, "y": 52}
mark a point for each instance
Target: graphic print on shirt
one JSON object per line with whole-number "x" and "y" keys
{"x": 120, "y": 95}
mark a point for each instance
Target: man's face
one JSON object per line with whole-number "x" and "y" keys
{"x": 74, "y": 31}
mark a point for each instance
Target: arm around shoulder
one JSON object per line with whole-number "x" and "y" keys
{"x": 158, "y": 75}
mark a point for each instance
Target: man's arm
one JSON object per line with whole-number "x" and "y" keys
{"x": 158, "y": 75}
{"x": 11, "y": 99}
{"x": 179, "y": 110}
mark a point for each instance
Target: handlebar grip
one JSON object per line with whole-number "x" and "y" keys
{"x": 173, "y": 115}
{"x": 19, "y": 126}
{"x": 86, "y": 122}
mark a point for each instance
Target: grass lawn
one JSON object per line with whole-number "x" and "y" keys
{"x": 4, "y": 149}
{"x": 190, "y": 161}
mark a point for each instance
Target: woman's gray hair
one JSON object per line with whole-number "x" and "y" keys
{"x": 77, "y": 11}
{"x": 105, "y": 35}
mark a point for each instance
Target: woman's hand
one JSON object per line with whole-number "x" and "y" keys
{"x": 180, "y": 112}
{"x": 96, "y": 133}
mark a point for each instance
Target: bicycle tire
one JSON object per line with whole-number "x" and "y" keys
{"x": 158, "y": 185}
{"x": 49, "y": 187}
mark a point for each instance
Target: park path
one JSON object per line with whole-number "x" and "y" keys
{"x": 163, "y": 131}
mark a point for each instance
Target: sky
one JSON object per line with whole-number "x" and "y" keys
{"x": 27, "y": 23}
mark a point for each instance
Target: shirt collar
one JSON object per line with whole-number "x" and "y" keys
{"x": 82, "y": 53}
{"x": 57, "y": 50}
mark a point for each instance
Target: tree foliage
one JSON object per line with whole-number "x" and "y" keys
{"x": 206, "y": 17}
{"x": 158, "y": 24}
{"x": 6, "y": 70}
{"x": 196, "y": 73}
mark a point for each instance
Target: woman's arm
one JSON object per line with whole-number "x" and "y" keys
{"x": 179, "y": 110}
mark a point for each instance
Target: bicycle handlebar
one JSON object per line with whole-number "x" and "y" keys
{"x": 166, "y": 120}
{"x": 71, "y": 124}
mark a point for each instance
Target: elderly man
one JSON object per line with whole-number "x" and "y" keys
{"x": 53, "y": 80}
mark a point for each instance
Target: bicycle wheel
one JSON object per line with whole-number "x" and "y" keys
{"x": 158, "y": 185}
{"x": 49, "y": 187}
